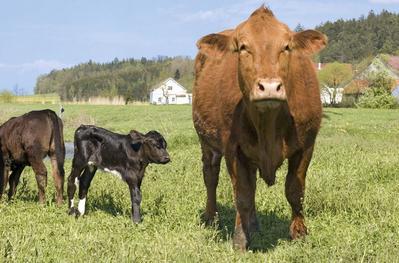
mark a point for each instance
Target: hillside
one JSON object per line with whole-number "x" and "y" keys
{"x": 132, "y": 78}
{"x": 350, "y": 41}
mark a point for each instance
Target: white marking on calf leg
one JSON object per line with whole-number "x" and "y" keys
{"x": 72, "y": 203}
{"x": 113, "y": 172}
{"x": 77, "y": 181}
{"x": 81, "y": 206}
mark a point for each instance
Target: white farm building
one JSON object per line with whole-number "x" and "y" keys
{"x": 170, "y": 92}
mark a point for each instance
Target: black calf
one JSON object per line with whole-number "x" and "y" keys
{"x": 125, "y": 156}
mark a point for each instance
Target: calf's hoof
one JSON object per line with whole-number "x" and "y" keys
{"x": 74, "y": 212}
{"x": 298, "y": 229}
{"x": 136, "y": 220}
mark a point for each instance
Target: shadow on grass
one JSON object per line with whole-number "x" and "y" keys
{"x": 327, "y": 112}
{"x": 272, "y": 228}
{"x": 107, "y": 203}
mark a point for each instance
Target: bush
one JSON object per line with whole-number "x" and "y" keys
{"x": 6, "y": 97}
{"x": 378, "y": 96}
{"x": 382, "y": 101}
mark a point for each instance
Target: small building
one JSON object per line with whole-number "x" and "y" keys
{"x": 170, "y": 92}
{"x": 359, "y": 84}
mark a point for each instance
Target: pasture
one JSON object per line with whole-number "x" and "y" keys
{"x": 351, "y": 203}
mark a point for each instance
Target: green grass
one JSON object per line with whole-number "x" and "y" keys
{"x": 351, "y": 204}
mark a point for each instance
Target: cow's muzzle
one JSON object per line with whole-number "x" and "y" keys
{"x": 268, "y": 92}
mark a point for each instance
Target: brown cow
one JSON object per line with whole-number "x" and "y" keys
{"x": 257, "y": 102}
{"x": 26, "y": 140}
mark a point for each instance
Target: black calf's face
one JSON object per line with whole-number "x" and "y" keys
{"x": 153, "y": 145}
{"x": 155, "y": 148}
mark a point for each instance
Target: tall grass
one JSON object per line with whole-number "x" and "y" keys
{"x": 351, "y": 202}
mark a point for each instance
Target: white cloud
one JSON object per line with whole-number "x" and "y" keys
{"x": 384, "y": 1}
{"x": 223, "y": 14}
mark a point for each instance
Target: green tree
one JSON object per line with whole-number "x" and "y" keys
{"x": 332, "y": 77}
{"x": 177, "y": 74}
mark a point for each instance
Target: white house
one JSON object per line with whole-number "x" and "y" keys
{"x": 170, "y": 92}
{"x": 331, "y": 96}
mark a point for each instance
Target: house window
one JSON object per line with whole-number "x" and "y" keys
{"x": 173, "y": 99}
{"x": 170, "y": 88}
{"x": 159, "y": 99}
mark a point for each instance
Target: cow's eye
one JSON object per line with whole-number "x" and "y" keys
{"x": 287, "y": 48}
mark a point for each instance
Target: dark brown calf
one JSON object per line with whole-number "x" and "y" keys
{"x": 257, "y": 102}
{"x": 25, "y": 141}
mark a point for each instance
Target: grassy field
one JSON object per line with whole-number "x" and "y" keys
{"x": 351, "y": 204}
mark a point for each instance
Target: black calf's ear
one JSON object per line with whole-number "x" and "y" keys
{"x": 137, "y": 139}
{"x": 136, "y": 146}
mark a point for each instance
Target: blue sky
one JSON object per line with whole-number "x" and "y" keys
{"x": 38, "y": 36}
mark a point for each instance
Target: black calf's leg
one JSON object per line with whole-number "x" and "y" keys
{"x": 135, "y": 196}
{"x": 77, "y": 169}
{"x": 14, "y": 180}
{"x": 84, "y": 184}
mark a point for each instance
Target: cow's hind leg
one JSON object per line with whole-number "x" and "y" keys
{"x": 41, "y": 176}
{"x": 295, "y": 188}
{"x": 14, "y": 180}
{"x": 211, "y": 168}
{"x": 58, "y": 175}
{"x": 4, "y": 173}
{"x": 84, "y": 184}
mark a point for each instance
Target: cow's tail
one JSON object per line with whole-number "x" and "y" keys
{"x": 58, "y": 139}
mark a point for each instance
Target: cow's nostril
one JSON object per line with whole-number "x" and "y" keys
{"x": 260, "y": 86}
{"x": 279, "y": 87}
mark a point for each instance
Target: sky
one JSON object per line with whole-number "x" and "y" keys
{"x": 39, "y": 36}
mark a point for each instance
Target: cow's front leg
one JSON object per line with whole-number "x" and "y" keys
{"x": 135, "y": 196}
{"x": 243, "y": 177}
{"x": 295, "y": 188}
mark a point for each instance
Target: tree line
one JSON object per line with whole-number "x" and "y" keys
{"x": 130, "y": 78}
{"x": 350, "y": 41}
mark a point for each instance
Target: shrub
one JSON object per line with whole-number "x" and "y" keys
{"x": 378, "y": 96}
{"x": 6, "y": 96}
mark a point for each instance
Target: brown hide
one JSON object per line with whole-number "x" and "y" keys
{"x": 25, "y": 141}
{"x": 256, "y": 101}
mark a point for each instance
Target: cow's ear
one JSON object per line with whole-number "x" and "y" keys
{"x": 215, "y": 44}
{"x": 309, "y": 41}
{"x": 137, "y": 139}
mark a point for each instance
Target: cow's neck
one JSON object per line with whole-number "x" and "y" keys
{"x": 269, "y": 140}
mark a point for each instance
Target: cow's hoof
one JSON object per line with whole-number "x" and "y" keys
{"x": 210, "y": 219}
{"x": 298, "y": 229}
{"x": 240, "y": 241}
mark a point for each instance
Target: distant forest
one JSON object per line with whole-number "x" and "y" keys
{"x": 350, "y": 41}
{"x": 132, "y": 78}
